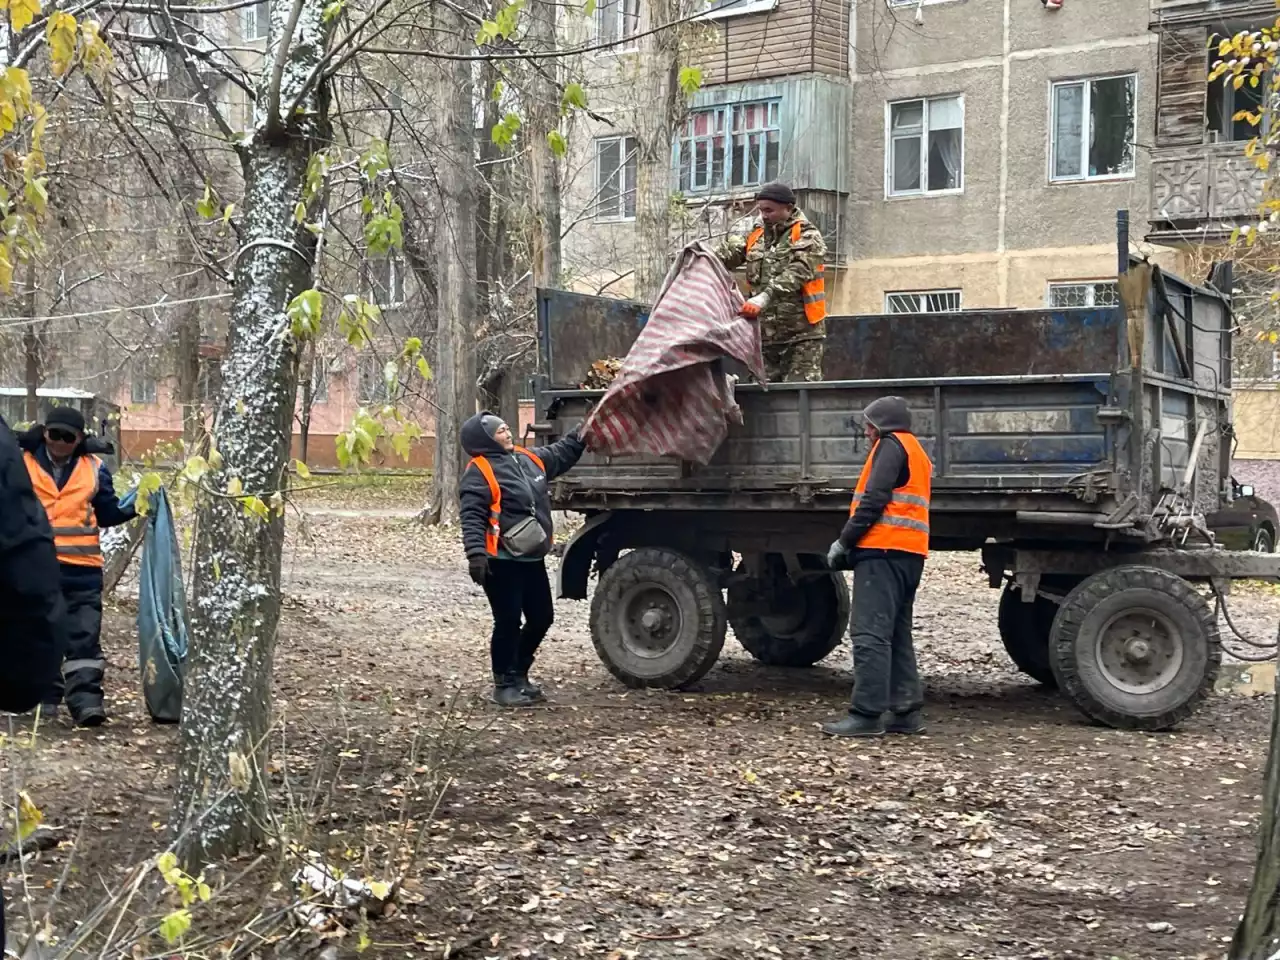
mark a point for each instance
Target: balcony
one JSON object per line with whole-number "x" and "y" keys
{"x": 1201, "y": 192}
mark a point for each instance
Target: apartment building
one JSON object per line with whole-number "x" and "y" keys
{"x": 956, "y": 153}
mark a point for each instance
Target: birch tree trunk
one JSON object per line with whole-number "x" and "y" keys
{"x": 660, "y": 108}
{"x": 544, "y": 166}
{"x": 1258, "y": 935}
{"x": 455, "y": 371}
{"x": 221, "y": 802}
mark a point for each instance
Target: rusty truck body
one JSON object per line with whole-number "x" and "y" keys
{"x": 1080, "y": 476}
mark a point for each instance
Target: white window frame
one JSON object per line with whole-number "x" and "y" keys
{"x": 627, "y": 13}
{"x": 923, "y": 301}
{"x": 1091, "y": 286}
{"x": 738, "y": 8}
{"x": 255, "y": 21}
{"x": 144, "y": 384}
{"x": 912, "y": 3}
{"x": 1084, "y": 176}
{"x": 923, "y": 191}
{"x": 393, "y": 293}
{"x": 627, "y": 146}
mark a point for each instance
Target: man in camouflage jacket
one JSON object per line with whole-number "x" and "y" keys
{"x": 777, "y": 269}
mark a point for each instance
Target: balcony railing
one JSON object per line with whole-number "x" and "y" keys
{"x": 1210, "y": 183}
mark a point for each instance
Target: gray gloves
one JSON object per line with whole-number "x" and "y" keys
{"x": 837, "y": 556}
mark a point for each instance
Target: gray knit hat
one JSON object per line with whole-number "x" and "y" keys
{"x": 491, "y": 424}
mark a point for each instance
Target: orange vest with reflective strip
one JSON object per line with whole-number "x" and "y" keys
{"x": 493, "y": 532}
{"x": 70, "y": 510}
{"x": 904, "y": 525}
{"x": 815, "y": 291}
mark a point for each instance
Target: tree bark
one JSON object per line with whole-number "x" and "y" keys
{"x": 543, "y": 164}
{"x": 1258, "y": 935}
{"x": 31, "y": 347}
{"x": 660, "y": 108}
{"x": 221, "y": 802}
{"x": 455, "y": 371}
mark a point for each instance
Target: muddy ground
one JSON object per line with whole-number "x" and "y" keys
{"x": 712, "y": 823}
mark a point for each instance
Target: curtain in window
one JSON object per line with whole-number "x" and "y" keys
{"x": 946, "y": 140}
{"x": 1068, "y": 130}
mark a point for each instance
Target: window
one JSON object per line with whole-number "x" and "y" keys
{"x": 255, "y": 21}
{"x": 1093, "y": 293}
{"x": 1092, "y": 129}
{"x": 616, "y": 178}
{"x": 319, "y": 381}
{"x": 922, "y": 301}
{"x": 386, "y": 281}
{"x": 142, "y": 388}
{"x": 732, "y": 146}
{"x": 1225, "y": 101}
{"x": 926, "y": 146}
{"x": 617, "y": 21}
{"x": 209, "y": 381}
{"x": 373, "y": 380}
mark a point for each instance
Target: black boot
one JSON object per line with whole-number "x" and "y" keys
{"x": 908, "y": 723}
{"x": 87, "y": 712}
{"x": 855, "y": 725}
{"x": 508, "y": 693}
{"x": 530, "y": 689}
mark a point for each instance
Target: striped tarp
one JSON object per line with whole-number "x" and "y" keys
{"x": 672, "y": 397}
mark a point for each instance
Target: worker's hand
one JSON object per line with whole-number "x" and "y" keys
{"x": 751, "y": 309}
{"x": 837, "y": 556}
{"x": 478, "y": 567}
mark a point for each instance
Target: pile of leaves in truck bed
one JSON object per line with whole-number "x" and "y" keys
{"x": 602, "y": 373}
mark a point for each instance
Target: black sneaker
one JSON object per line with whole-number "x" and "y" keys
{"x": 908, "y": 723}
{"x": 88, "y": 715}
{"x": 509, "y": 695}
{"x": 855, "y": 725}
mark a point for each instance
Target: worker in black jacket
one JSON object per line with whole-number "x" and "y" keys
{"x": 506, "y": 532}
{"x": 77, "y": 492}
{"x": 31, "y": 605}
{"x": 885, "y": 542}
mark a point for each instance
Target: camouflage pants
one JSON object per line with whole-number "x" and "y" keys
{"x": 796, "y": 362}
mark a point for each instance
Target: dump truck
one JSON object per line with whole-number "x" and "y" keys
{"x": 1076, "y": 451}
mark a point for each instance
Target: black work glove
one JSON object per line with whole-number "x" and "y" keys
{"x": 478, "y": 567}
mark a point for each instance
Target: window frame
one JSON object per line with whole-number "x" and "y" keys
{"x": 395, "y": 277}
{"x": 623, "y": 42}
{"x": 1225, "y": 92}
{"x": 150, "y": 391}
{"x": 1087, "y": 83}
{"x": 623, "y": 139}
{"x": 958, "y": 292}
{"x": 772, "y": 107}
{"x": 923, "y": 190}
{"x": 1092, "y": 286}
{"x": 252, "y": 27}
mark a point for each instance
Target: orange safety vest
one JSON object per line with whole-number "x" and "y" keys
{"x": 493, "y": 532}
{"x": 70, "y": 510}
{"x": 904, "y": 525}
{"x": 815, "y": 291}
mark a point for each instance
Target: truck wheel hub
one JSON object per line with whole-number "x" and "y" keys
{"x": 651, "y": 621}
{"x": 1140, "y": 651}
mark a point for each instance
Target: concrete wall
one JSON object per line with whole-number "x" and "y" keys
{"x": 1011, "y": 231}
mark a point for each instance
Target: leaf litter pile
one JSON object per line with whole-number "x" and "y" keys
{"x": 709, "y": 823}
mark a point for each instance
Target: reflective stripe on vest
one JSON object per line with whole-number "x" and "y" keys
{"x": 493, "y": 530}
{"x": 70, "y": 510}
{"x": 904, "y": 525}
{"x": 814, "y": 293}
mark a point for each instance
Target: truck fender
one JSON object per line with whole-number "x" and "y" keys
{"x": 575, "y": 564}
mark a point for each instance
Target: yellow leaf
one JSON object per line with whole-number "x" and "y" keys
{"x": 61, "y": 34}
{"x": 29, "y": 815}
{"x": 1238, "y": 82}
{"x": 1272, "y": 336}
{"x": 380, "y": 889}
{"x": 22, "y": 12}
{"x": 6, "y": 270}
{"x": 302, "y": 469}
{"x": 235, "y": 486}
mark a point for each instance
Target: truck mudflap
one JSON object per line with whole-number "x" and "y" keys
{"x": 579, "y": 552}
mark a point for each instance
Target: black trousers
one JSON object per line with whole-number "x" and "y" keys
{"x": 84, "y": 664}
{"x": 884, "y": 655}
{"x": 518, "y": 590}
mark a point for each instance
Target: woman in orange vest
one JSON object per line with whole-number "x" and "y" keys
{"x": 885, "y": 542}
{"x": 506, "y": 532}
{"x": 76, "y": 491}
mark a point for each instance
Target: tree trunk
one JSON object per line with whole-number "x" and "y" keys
{"x": 31, "y": 347}
{"x": 221, "y": 798}
{"x": 659, "y": 110}
{"x": 543, "y": 164}
{"x": 455, "y": 372}
{"x": 1258, "y": 935}
{"x": 308, "y": 376}
{"x": 188, "y": 368}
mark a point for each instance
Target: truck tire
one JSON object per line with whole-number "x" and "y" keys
{"x": 657, "y": 619}
{"x": 1025, "y": 628}
{"x": 810, "y": 623}
{"x": 1136, "y": 648}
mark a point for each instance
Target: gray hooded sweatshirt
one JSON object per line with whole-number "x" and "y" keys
{"x": 889, "y": 467}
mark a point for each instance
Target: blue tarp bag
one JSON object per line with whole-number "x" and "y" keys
{"x": 162, "y": 612}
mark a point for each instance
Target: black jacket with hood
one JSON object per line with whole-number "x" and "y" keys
{"x": 523, "y": 485}
{"x": 890, "y": 469}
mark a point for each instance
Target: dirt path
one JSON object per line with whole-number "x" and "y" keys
{"x": 713, "y": 823}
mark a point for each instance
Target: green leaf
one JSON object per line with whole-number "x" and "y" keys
{"x": 690, "y": 80}
{"x": 412, "y": 347}
{"x": 206, "y": 206}
{"x": 195, "y": 468}
{"x": 175, "y": 925}
{"x": 227, "y": 212}
{"x": 556, "y": 141}
{"x": 300, "y": 212}
{"x": 305, "y": 312}
{"x": 374, "y": 160}
{"x": 301, "y": 469}
{"x": 589, "y": 8}
{"x": 424, "y": 368}
{"x": 574, "y": 96}
{"x": 504, "y": 131}
{"x": 235, "y": 487}
{"x": 255, "y": 507}
{"x": 148, "y": 484}
{"x": 333, "y": 10}
{"x": 317, "y": 170}
{"x": 496, "y": 95}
